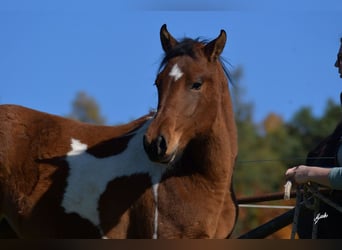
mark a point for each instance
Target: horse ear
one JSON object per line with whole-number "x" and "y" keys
{"x": 214, "y": 48}
{"x": 167, "y": 40}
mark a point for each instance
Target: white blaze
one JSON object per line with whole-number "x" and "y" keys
{"x": 176, "y": 72}
{"x": 89, "y": 176}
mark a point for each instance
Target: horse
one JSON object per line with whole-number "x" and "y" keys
{"x": 167, "y": 174}
{"x": 325, "y": 154}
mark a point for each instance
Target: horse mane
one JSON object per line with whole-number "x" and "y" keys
{"x": 185, "y": 47}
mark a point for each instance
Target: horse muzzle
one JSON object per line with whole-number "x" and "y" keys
{"x": 157, "y": 148}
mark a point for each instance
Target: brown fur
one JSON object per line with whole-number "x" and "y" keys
{"x": 195, "y": 195}
{"x": 33, "y": 170}
{"x": 199, "y": 124}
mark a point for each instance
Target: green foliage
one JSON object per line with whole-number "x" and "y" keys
{"x": 311, "y": 129}
{"x": 86, "y": 109}
{"x": 266, "y": 150}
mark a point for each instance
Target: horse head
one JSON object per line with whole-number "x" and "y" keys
{"x": 190, "y": 84}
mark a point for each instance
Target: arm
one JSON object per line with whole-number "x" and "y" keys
{"x": 303, "y": 174}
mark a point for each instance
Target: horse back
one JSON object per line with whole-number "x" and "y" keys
{"x": 28, "y": 135}
{"x": 33, "y": 170}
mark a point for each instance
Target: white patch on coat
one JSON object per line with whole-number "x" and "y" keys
{"x": 155, "y": 195}
{"x": 176, "y": 72}
{"x": 89, "y": 176}
{"x": 77, "y": 147}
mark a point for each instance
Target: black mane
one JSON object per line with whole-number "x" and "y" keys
{"x": 185, "y": 47}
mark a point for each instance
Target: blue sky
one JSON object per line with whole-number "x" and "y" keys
{"x": 50, "y": 50}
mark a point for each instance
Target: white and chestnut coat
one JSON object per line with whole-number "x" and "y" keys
{"x": 163, "y": 176}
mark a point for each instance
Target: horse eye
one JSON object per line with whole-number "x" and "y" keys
{"x": 197, "y": 85}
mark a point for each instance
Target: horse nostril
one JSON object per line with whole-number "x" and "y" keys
{"x": 155, "y": 149}
{"x": 161, "y": 146}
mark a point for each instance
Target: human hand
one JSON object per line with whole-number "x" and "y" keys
{"x": 298, "y": 174}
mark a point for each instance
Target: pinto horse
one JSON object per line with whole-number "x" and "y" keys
{"x": 164, "y": 175}
{"x": 325, "y": 154}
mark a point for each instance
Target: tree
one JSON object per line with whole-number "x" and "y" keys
{"x": 86, "y": 109}
{"x": 310, "y": 129}
{"x": 266, "y": 150}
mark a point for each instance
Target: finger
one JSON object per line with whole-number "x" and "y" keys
{"x": 290, "y": 171}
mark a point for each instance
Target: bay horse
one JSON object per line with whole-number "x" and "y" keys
{"x": 325, "y": 154}
{"x": 164, "y": 175}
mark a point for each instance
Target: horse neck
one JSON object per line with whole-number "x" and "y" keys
{"x": 228, "y": 119}
{"x": 217, "y": 150}
{"x": 224, "y": 132}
